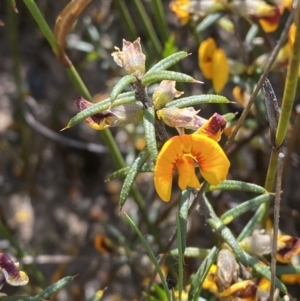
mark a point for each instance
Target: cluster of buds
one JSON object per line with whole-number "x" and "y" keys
{"x": 132, "y": 60}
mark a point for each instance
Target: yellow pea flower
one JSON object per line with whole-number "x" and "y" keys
{"x": 288, "y": 247}
{"x": 245, "y": 290}
{"x": 213, "y": 63}
{"x": 270, "y": 23}
{"x": 181, "y": 10}
{"x": 181, "y": 152}
{"x": 210, "y": 280}
{"x": 205, "y": 56}
{"x": 267, "y": 15}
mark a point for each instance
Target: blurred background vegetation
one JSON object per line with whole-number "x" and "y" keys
{"x": 58, "y": 214}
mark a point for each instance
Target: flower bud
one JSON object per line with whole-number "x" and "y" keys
{"x": 116, "y": 116}
{"x": 257, "y": 244}
{"x": 214, "y": 127}
{"x": 165, "y": 93}
{"x": 181, "y": 118}
{"x": 9, "y": 272}
{"x": 131, "y": 58}
{"x": 227, "y": 269}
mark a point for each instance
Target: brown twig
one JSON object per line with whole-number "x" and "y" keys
{"x": 261, "y": 81}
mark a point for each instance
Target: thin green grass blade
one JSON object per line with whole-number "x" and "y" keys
{"x": 180, "y": 242}
{"x": 50, "y": 290}
{"x": 168, "y": 62}
{"x": 160, "y": 18}
{"x": 201, "y": 274}
{"x": 157, "y": 76}
{"x": 197, "y": 100}
{"x": 183, "y": 215}
{"x": 121, "y": 85}
{"x": 127, "y": 20}
{"x": 181, "y": 224}
{"x": 149, "y": 29}
{"x": 122, "y": 173}
{"x": 237, "y": 186}
{"x": 151, "y": 255}
{"x": 233, "y": 213}
{"x": 132, "y": 174}
{"x": 101, "y": 106}
{"x": 264, "y": 271}
{"x": 159, "y": 293}
{"x": 149, "y": 120}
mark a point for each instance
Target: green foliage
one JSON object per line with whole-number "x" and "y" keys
{"x": 247, "y": 72}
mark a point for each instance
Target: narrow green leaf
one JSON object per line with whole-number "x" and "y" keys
{"x": 132, "y": 174}
{"x": 101, "y": 106}
{"x": 149, "y": 120}
{"x": 180, "y": 242}
{"x": 168, "y": 62}
{"x": 229, "y": 116}
{"x": 225, "y": 233}
{"x": 121, "y": 85}
{"x": 233, "y": 213}
{"x": 208, "y": 21}
{"x": 264, "y": 271}
{"x": 50, "y": 290}
{"x": 201, "y": 274}
{"x": 122, "y": 173}
{"x": 228, "y": 237}
{"x": 251, "y": 34}
{"x": 251, "y": 225}
{"x": 158, "y": 292}
{"x": 287, "y": 269}
{"x": 157, "y": 76}
{"x": 197, "y": 100}
{"x": 183, "y": 215}
{"x": 151, "y": 255}
{"x": 192, "y": 252}
{"x": 237, "y": 186}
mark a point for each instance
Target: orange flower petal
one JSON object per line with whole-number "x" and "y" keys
{"x": 213, "y": 162}
{"x": 220, "y": 70}
{"x": 165, "y": 165}
{"x": 186, "y": 171}
{"x": 270, "y": 23}
{"x": 205, "y": 57}
{"x": 292, "y": 34}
